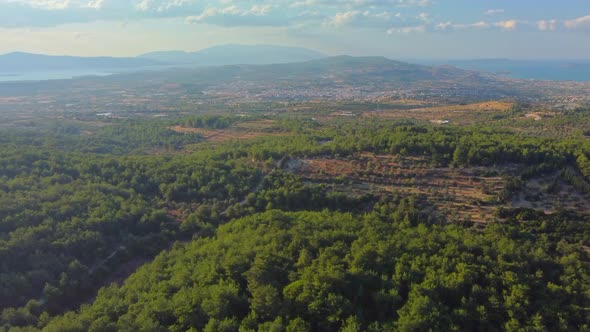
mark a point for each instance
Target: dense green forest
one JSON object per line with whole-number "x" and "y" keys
{"x": 340, "y": 272}
{"x": 260, "y": 248}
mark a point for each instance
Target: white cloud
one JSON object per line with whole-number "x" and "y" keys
{"x": 144, "y": 5}
{"x": 578, "y": 23}
{"x": 160, "y": 5}
{"x": 95, "y": 4}
{"x": 344, "y": 18}
{"x": 447, "y": 26}
{"x": 55, "y": 5}
{"x": 424, "y": 17}
{"x": 509, "y": 25}
{"x": 356, "y": 17}
{"x": 494, "y": 11}
{"x": 547, "y": 25}
{"x": 234, "y": 15}
{"x": 260, "y": 10}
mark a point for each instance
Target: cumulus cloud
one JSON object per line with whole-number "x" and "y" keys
{"x": 358, "y": 18}
{"x": 392, "y": 16}
{"x": 160, "y": 5}
{"x": 547, "y": 25}
{"x": 56, "y": 5}
{"x": 509, "y": 25}
{"x": 232, "y": 15}
{"x": 449, "y": 26}
{"x": 95, "y": 4}
{"x": 344, "y": 18}
{"x": 578, "y": 23}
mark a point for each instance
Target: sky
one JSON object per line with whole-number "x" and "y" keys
{"x": 403, "y": 29}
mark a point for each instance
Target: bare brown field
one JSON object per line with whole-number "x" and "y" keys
{"x": 462, "y": 193}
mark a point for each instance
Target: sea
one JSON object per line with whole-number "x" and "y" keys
{"x": 51, "y": 75}
{"x": 75, "y": 73}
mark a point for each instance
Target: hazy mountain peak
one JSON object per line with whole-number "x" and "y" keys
{"x": 231, "y": 54}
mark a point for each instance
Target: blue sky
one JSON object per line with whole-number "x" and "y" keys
{"x": 396, "y": 28}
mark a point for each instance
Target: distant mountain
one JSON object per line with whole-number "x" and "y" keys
{"x": 561, "y": 70}
{"x": 339, "y": 69}
{"x": 339, "y": 77}
{"x": 236, "y": 54}
{"x": 19, "y": 62}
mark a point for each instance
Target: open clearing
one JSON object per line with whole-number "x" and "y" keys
{"x": 550, "y": 193}
{"x": 466, "y": 193}
{"x": 256, "y": 125}
{"x": 240, "y": 131}
{"x": 460, "y": 193}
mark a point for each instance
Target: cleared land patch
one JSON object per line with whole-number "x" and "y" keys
{"x": 241, "y": 131}
{"x": 256, "y": 125}
{"x": 470, "y": 193}
{"x": 550, "y": 193}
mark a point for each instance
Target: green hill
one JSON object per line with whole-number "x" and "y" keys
{"x": 321, "y": 271}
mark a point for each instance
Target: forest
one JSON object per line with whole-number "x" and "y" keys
{"x": 136, "y": 227}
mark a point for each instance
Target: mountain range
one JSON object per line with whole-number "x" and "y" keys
{"x": 326, "y": 78}
{"x": 19, "y": 62}
{"x": 553, "y": 70}
{"x": 15, "y": 66}
{"x": 236, "y": 54}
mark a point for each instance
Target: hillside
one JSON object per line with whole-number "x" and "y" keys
{"x": 356, "y": 69}
{"x": 559, "y": 70}
{"x": 326, "y": 271}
